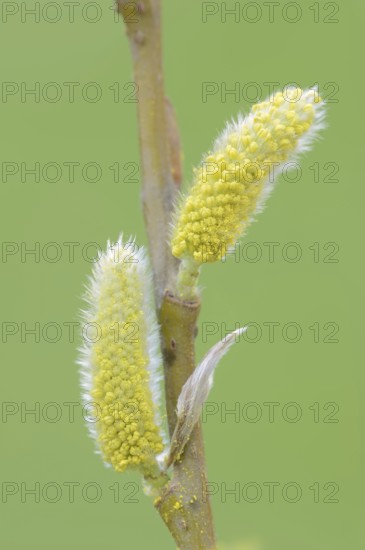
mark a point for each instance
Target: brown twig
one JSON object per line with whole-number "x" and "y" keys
{"x": 158, "y": 186}
{"x": 184, "y": 504}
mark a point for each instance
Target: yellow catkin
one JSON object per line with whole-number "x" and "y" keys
{"x": 237, "y": 175}
{"x": 117, "y": 365}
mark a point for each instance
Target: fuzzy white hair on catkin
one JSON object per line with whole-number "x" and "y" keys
{"x": 305, "y": 143}
{"x": 136, "y": 262}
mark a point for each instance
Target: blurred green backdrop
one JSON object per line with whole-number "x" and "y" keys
{"x": 82, "y": 112}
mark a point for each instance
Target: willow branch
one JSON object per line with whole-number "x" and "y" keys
{"x": 154, "y": 117}
{"x": 184, "y": 505}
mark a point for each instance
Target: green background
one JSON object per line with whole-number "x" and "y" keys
{"x": 304, "y": 292}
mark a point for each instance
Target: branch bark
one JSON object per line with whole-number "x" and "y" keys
{"x": 184, "y": 504}
{"x": 158, "y": 171}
